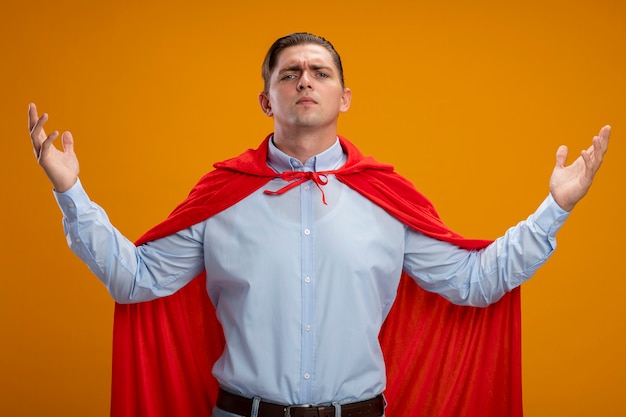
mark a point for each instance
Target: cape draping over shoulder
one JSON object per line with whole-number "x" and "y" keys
{"x": 442, "y": 360}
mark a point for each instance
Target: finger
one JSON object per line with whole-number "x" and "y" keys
{"x": 599, "y": 148}
{"x": 561, "y": 156}
{"x": 32, "y": 116}
{"x": 593, "y": 156}
{"x": 37, "y": 131}
{"x": 586, "y": 155}
{"x": 46, "y": 144}
{"x": 37, "y": 134}
{"x": 67, "y": 140}
{"x": 604, "y": 135}
{"x": 600, "y": 143}
{"x": 591, "y": 149}
{"x": 605, "y": 131}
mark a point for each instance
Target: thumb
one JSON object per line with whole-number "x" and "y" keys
{"x": 561, "y": 156}
{"x": 68, "y": 142}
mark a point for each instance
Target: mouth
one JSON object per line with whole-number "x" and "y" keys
{"x": 306, "y": 100}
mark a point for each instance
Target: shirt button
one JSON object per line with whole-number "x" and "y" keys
{"x": 306, "y": 187}
{"x": 70, "y": 205}
{"x": 307, "y": 279}
{"x": 307, "y": 376}
{"x": 307, "y": 327}
{"x": 77, "y": 240}
{"x": 307, "y": 232}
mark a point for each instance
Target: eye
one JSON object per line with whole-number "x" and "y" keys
{"x": 289, "y": 77}
{"x": 322, "y": 75}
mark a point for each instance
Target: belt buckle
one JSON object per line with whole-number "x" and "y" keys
{"x": 289, "y": 407}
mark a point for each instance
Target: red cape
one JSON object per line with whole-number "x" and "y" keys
{"x": 442, "y": 360}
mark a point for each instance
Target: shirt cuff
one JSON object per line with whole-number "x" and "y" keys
{"x": 73, "y": 200}
{"x": 550, "y": 216}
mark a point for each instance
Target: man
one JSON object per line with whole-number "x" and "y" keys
{"x": 304, "y": 242}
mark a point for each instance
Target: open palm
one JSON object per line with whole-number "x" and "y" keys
{"x": 61, "y": 166}
{"x": 568, "y": 184}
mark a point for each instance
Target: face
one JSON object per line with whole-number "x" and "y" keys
{"x": 305, "y": 89}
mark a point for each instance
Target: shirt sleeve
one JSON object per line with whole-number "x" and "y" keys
{"x": 481, "y": 277}
{"x": 130, "y": 273}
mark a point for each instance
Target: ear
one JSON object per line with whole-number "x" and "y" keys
{"x": 264, "y": 102}
{"x": 346, "y": 99}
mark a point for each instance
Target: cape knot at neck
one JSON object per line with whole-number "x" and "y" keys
{"x": 296, "y": 178}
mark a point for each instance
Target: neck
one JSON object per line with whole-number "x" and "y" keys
{"x": 304, "y": 144}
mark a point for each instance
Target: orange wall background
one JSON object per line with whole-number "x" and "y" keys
{"x": 467, "y": 99}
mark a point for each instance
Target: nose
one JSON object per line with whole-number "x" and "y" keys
{"x": 304, "y": 82}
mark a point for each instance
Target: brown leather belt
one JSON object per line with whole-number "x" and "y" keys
{"x": 242, "y": 406}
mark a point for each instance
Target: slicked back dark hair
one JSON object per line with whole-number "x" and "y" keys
{"x": 298, "y": 38}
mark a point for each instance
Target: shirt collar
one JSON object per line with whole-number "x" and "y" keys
{"x": 331, "y": 158}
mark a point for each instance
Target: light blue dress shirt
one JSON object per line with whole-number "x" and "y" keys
{"x": 302, "y": 288}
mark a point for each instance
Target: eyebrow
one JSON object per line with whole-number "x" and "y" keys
{"x": 297, "y": 67}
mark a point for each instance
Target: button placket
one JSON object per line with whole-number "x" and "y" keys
{"x": 308, "y": 291}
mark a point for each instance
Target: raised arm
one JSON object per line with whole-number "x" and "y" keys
{"x": 60, "y": 166}
{"x": 569, "y": 184}
{"x": 131, "y": 274}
